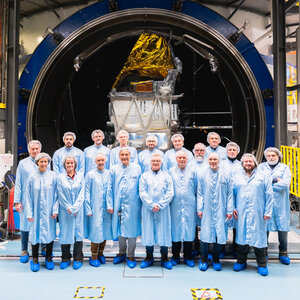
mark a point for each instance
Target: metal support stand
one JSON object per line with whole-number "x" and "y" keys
{"x": 11, "y": 125}
{"x": 280, "y": 103}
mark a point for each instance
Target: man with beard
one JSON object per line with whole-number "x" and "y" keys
{"x": 253, "y": 201}
{"x": 60, "y": 154}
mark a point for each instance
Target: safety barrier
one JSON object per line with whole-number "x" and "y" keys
{"x": 291, "y": 156}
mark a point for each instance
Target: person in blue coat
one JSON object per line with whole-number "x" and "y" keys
{"x": 253, "y": 203}
{"x": 199, "y": 155}
{"x": 214, "y": 141}
{"x": 91, "y": 151}
{"x": 96, "y": 183}
{"x": 156, "y": 193}
{"x": 70, "y": 191}
{"x": 123, "y": 202}
{"x": 280, "y": 175}
{"x": 232, "y": 165}
{"x": 25, "y": 168}
{"x": 144, "y": 157}
{"x": 41, "y": 209}
{"x": 59, "y": 155}
{"x": 170, "y": 156}
{"x": 122, "y": 137}
{"x": 183, "y": 209}
{"x": 214, "y": 207}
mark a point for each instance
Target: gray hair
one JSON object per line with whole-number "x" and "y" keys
{"x": 177, "y": 135}
{"x": 151, "y": 137}
{"x": 273, "y": 149}
{"x": 124, "y": 149}
{"x": 213, "y": 133}
{"x": 69, "y": 133}
{"x": 181, "y": 153}
{"x": 101, "y": 155}
{"x": 122, "y": 132}
{"x": 97, "y": 131}
{"x": 70, "y": 157}
{"x": 216, "y": 155}
{"x": 249, "y": 155}
{"x": 199, "y": 145}
{"x": 42, "y": 155}
{"x": 34, "y": 142}
{"x": 233, "y": 144}
{"x": 156, "y": 155}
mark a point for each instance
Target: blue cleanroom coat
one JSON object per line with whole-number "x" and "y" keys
{"x": 25, "y": 168}
{"x": 231, "y": 167}
{"x": 280, "y": 220}
{"x": 183, "y": 206}
{"x": 170, "y": 158}
{"x": 215, "y": 201}
{"x": 40, "y": 204}
{"x": 90, "y": 154}
{"x": 60, "y": 154}
{"x": 70, "y": 196}
{"x": 253, "y": 199}
{"x": 96, "y": 183}
{"x": 114, "y": 156}
{"x": 221, "y": 151}
{"x": 144, "y": 159}
{"x": 156, "y": 188}
{"x": 123, "y": 197}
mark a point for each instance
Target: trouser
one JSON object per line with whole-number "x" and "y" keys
{"x": 234, "y": 245}
{"x": 77, "y": 252}
{"x": 35, "y": 250}
{"x": 187, "y": 249}
{"x": 163, "y": 250}
{"x": 196, "y": 243}
{"x": 123, "y": 246}
{"x": 24, "y": 240}
{"x": 260, "y": 253}
{"x": 97, "y": 249}
{"x": 217, "y": 248}
{"x": 283, "y": 241}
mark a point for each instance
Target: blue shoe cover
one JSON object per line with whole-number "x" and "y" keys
{"x": 131, "y": 264}
{"x": 189, "y": 262}
{"x": 222, "y": 254}
{"x": 24, "y": 258}
{"x": 209, "y": 258}
{"x": 94, "y": 262}
{"x": 239, "y": 267}
{"x": 49, "y": 264}
{"x": 195, "y": 253}
{"x": 175, "y": 261}
{"x": 77, "y": 265}
{"x": 34, "y": 267}
{"x": 262, "y": 271}
{"x": 119, "y": 259}
{"x": 284, "y": 260}
{"x": 217, "y": 266}
{"x": 64, "y": 264}
{"x": 203, "y": 265}
{"x": 146, "y": 263}
{"x": 102, "y": 259}
{"x": 166, "y": 264}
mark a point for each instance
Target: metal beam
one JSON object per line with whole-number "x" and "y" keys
{"x": 11, "y": 125}
{"x": 280, "y": 100}
{"x": 290, "y": 4}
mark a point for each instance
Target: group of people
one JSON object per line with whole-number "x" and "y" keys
{"x": 119, "y": 194}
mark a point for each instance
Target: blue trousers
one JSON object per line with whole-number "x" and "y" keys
{"x": 24, "y": 240}
{"x": 163, "y": 250}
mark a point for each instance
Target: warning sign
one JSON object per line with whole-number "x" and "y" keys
{"x": 89, "y": 292}
{"x": 212, "y": 294}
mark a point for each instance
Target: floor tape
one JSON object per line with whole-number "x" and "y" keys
{"x": 85, "y": 288}
{"x": 205, "y": 294}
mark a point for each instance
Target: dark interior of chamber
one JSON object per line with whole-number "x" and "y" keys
{"x": 206, "y": 100}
